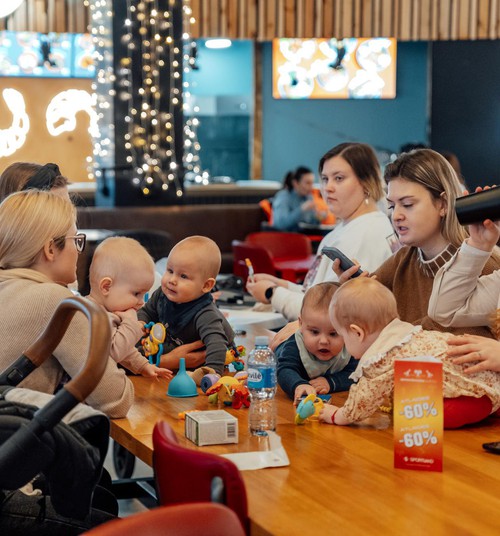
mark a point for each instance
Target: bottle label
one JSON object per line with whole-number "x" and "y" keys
{"x": 261, "y": 378}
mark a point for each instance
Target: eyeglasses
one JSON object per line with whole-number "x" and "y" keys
{"x": 80, "y": 241}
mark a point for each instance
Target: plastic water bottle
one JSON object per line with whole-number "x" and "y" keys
{"x": 262, "y": 388}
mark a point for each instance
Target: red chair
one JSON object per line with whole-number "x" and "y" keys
{"x": 260, "y": 258}
{"x": 207, "y": 519}
{"x": 291, "y": 253}
{"x": 186, "y": 475}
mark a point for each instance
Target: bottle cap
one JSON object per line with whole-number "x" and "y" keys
{"x": 261, "y": 340}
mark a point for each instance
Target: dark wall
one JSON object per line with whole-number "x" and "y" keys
{"x": 466, "y": 106}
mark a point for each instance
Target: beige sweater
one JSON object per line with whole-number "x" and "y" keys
{"x": 28, "y": 301}
{"x": 460, "y": 296}
{"x": 412, "y": 287}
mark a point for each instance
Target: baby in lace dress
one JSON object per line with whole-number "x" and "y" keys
{"x": 364, "y": 313}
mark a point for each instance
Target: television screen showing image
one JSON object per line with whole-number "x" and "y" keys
{"x": 52, "y": 55}
{"x": 334, "y": 68}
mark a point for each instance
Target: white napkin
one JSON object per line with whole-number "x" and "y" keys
{"x": 274, "y": 457}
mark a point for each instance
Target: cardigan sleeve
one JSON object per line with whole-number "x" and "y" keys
{"x": 460, "y": 296}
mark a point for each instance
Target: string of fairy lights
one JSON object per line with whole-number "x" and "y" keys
{"x": 153, "y": 61}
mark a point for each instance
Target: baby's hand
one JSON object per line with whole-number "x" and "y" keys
{"x": 152, "y": 371}
{"x": 326, "y": 413}
{"x": 129, "y": 314}
{"x": 301, "y": 390}
{"x": 321, "y": 385}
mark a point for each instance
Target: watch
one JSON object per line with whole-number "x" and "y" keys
{"x": 269, "y": 293}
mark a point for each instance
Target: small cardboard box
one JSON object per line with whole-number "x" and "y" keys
{"x": 211, "y": 427}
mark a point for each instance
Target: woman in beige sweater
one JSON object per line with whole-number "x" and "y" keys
{"x": 39, "y": 246}
{"x": 461, "y": 297}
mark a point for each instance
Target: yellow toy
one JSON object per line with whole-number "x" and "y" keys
{"x": 222, "y": 390}
{"x": 308, "y": 408}
{"x": 153, "y": 341}
{"x": 233, "y": 362}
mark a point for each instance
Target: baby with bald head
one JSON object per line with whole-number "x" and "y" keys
{"x": 121, "y": 273}
{"x": 184, "y": 303}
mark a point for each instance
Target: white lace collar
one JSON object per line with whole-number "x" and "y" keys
{"x": 393, "y": 335}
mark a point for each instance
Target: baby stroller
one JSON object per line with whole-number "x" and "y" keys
{"x": 52, "y": 448}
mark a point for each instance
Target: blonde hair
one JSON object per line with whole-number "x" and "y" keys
{"x": 28, "y": 220}
{"x": 16, "y": 177}
{"x": 364, "y": 302}
{"x": 432, "y": 171}
{"x": 319, "y": 296}
{"x": 363, "y": 161}
{"x": 205, "y": 250}
{"x": 117, "y": 256}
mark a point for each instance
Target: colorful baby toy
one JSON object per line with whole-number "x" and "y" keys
{"x": 230, "y": 392}
{"x": 309, "y": 407}
{"x": 233, "y": 362}
{"x": 153, "y": 341}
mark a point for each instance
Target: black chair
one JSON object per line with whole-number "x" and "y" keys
{"x": 158, "y": 243}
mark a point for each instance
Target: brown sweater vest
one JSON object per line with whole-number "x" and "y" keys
{"x": 412, "y": 287}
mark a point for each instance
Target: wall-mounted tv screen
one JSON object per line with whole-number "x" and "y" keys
{"x": 334, "y": 68}
{"x": 52, "y": 55}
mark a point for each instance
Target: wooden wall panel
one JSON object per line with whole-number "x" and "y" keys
{"x": 407, "y": 20}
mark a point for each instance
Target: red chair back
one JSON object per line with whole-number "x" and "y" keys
{"x": 207, "y": 519}
{"x": 282, "y": 245}
{"x": 260, "y": 258}
{"x": 186, "y": 475}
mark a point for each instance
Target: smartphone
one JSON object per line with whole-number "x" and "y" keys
{"x": 345, "y": 262}
{"x": 492, "y": 447}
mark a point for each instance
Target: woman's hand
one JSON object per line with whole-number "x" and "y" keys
{"x": 283, "y": 334}
{"x": 347, "y": 274}
{"x": 484, "y": 235}
{"x": 258, "y": 289}
{"x": 273, "y": 279}
{"x": 191, "y": 352}
{"x": 484, "y": 352}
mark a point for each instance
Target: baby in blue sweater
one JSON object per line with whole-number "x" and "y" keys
{"x": 314, "y": 359}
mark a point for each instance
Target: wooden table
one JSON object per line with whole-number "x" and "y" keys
{"x": 341, "y": 480}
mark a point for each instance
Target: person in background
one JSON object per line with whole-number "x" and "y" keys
{"x": 121, "y": 273}
{"x": 365, "y": 314}
{"x": 351, "y": 186}
{"x": 421, "y": 193}
{"x": 314, "y": 360}
{"x": 294, "y": 204}
{"x": 28, "y": 176}
{"x": 185, "y": 306}
{"x": 39, "y": 247}
{"x": 461, "y": 297}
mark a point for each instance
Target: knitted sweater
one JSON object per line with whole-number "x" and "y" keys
{"x": 411, "y": 284}
{"x": 124, "y": 336}
{"x": 460, "y": 296}
{"x": 29, "y": 300}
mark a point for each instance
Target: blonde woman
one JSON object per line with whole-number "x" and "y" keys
{"x": 461, "y": 297}
{"x": 39, "y": 247}
{"x": 422, "y": 188}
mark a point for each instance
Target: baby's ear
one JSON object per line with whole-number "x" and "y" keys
{"x": 358, "y": 331}
{"x": 209, "y": 284}
{"x": 105, "y": 285}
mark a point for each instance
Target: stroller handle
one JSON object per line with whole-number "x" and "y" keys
{"x": 100, "y": 339}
